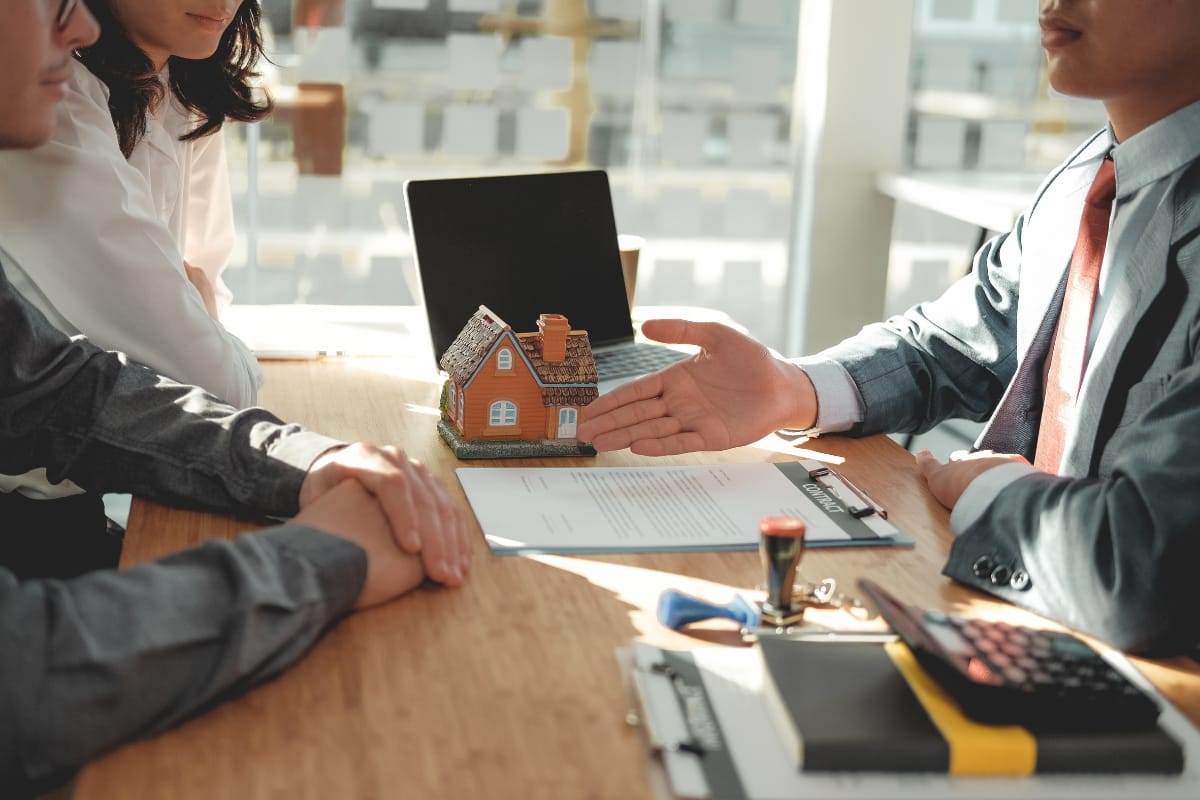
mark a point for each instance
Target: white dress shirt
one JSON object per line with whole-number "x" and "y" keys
{"x": 98, "y": 242}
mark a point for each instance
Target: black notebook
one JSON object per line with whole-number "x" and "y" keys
{"x": 709, "y": 726}
{"x": 871, "y": 708}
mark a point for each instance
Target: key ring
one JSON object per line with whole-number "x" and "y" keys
{"x": 824, "y": 594}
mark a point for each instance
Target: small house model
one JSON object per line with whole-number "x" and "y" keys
{"x": 516, "y": 395}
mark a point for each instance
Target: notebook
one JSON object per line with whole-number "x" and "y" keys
{"x": 710, "y": 726}
{"x": 525, "y": 245}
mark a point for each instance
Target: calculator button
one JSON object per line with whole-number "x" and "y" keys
{"x": 1011, "y": 648}
{"x": 987, "y": 646}
{"x": 967, "y": 628}
{"x": 1015, "y": 675}
{"x": 1069, "y": 647}
{"x": 982, "y": 673}
{"x": 949, "y": 640}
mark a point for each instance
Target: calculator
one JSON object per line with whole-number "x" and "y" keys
{"x": 1008, "y": 674}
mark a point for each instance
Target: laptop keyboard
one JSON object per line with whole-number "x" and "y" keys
{"x": 636, "y": 359}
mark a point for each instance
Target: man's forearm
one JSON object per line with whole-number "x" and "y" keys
{"x": 90, "y": 663}
{"x": 111, "y": 426}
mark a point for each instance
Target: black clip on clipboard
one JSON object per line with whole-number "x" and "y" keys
{"x": 858, "y": 503}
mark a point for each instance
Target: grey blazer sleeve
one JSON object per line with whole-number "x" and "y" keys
{"x": 1114, "y": 556}
{"x": 87, "y": 415}
{"x": 90, "y": 663}
{"x": 951, "y": 357}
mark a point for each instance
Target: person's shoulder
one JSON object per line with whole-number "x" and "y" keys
{"x": 84, "y": 122}
{"x": 84, "y": 85}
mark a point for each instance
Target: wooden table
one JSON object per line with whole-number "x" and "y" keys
{"x": 507, "y": 687}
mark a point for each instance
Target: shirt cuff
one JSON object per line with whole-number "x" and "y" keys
{"x": 340, "y": 565}
{"x": 302, "y": 448}
{"x": 839, "y": 405}
{"x": 980, "y": 493}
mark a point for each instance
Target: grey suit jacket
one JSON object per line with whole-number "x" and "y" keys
{"x": 1108, "y": 547}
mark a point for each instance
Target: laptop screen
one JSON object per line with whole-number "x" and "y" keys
{"x": 522, "y": 245}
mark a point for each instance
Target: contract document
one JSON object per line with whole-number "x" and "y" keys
{"x": 661, "y": 508}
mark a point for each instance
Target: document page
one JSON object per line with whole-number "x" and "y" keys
{"x": 647, "y": 509}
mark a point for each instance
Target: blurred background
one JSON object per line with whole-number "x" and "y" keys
{"x": 803, "y": 166}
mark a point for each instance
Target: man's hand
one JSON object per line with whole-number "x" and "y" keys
{"x": 733, "y": 392}
{"x": 948, "y": 481}
{"x": 422, "y": 517}
{"x": 349, "y": 511}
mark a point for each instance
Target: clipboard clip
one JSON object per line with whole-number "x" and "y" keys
{"x": 858, "y": 504}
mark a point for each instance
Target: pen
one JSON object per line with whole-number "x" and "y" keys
{"x": 297, "y": 355}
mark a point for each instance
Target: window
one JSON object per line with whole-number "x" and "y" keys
{"x": 502, "y": 413}
{"x": 504, "y": 359}
{"x": 686, "y": 104}
{"x": 452, "y": 398}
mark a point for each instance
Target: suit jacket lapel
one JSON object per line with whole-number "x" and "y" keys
{"x": 1145, "y": 276}
{"x": 1047, "y": 242}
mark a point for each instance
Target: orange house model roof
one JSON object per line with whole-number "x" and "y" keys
{"x": 519, "y": 394}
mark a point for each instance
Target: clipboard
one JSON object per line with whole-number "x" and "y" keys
{"x": 668, "y": 507}
{"x": 681, "y": 764}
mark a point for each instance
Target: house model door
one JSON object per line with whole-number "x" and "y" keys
{"x": 567, "y": 417}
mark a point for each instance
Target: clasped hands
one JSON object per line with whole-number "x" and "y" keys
{"x": 392, "y": 507}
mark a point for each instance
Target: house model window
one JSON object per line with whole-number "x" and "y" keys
{"x": 503, "y": 412}
{"x": 516, "y": 394}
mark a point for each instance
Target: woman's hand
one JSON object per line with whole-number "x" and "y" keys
{"x": 204, "y": 286}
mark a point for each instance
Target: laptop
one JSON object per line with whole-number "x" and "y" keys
{"x": 524, "y": 245}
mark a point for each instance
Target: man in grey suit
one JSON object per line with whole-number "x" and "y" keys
{"x": 1104, "y": 537}
{"x": 89, "y": 663}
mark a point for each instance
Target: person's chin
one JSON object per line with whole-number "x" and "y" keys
{"x": 199, "y": 51}
{"x": 37, "y": 131}
{"x": 1066, "y": 79}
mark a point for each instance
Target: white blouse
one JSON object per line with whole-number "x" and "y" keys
{"x": 98, "y": 242}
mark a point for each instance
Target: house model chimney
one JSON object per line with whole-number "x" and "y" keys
{"x": 553, "y": 329}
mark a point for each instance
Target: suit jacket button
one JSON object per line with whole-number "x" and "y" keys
{"x": 1000, "y": 575}
{"x": 1020, "y": 580}
{"x": 982, "y": 567}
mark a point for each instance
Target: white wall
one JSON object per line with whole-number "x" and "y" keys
{"x": 849, "y": 114}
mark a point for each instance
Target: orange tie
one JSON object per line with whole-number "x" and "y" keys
{"x": 1065, "y": 371}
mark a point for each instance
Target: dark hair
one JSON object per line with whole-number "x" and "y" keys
{"x": 216, "y": 88}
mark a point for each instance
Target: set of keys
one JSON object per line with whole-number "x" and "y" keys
{"x": 788, "y": 597}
